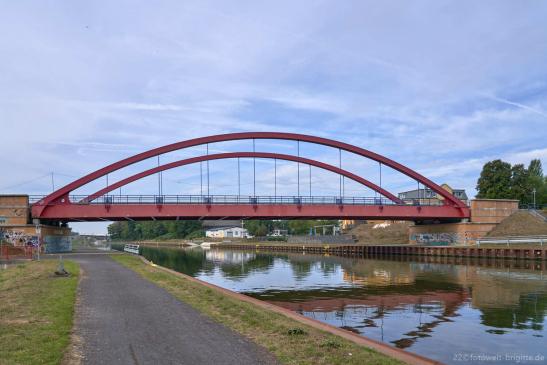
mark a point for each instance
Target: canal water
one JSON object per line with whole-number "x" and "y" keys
{"x": 461, "y": 311}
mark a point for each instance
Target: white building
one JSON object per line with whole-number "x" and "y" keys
{"x": 227, "y": 232}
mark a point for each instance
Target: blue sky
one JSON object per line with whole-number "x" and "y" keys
{"x": 439, "y": 86}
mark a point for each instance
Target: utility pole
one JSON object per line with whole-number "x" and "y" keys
{"x": 534, "y": 194}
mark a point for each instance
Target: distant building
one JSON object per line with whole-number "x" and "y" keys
{"x": 346, "y": 224}
{"x": 279, "y": 233}
{"x": 427, "y": 196}
{"x": 227, "y": 232}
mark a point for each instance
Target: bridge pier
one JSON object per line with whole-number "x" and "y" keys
{"x": 18, "y": 230}
{"x": 486, "y": 214}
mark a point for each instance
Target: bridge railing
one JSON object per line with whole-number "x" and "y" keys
{"x": 237, "y": 199}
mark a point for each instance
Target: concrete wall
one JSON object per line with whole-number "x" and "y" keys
{"x": 485, "y": 215}
{"x": 492, "y": 210}
{"x": 448, "y": 233}
{"x": 54, "y": 239}
{"x": 57, "y": 244}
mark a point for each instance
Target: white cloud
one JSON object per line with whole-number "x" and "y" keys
{"x": 439, "y": 87}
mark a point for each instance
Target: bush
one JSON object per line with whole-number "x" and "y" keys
{"x": 117, "y": 246}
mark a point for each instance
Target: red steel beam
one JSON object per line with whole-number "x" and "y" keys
{"x": 94, "y": 212}
{"x": 62, "y": 194}
{"x": 228, "y": 155}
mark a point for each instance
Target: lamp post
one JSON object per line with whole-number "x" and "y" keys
{"x": 534, "y": 195}
{"x": 39, "y": 235}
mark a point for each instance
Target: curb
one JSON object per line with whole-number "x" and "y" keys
{"x": 405, "y": 356}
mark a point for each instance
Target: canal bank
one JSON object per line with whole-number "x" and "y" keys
{"x": 355, "y": 250}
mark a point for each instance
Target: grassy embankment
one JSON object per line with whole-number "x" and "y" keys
{"x": 290, "y": 341}
{"x": 36, "y": 312}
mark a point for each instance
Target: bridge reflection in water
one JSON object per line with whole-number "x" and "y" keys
{"x": 436, "y": 308}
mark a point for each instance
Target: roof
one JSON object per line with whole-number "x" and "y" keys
{"x": 223, "y": 228}
{"x": 216, "y": 223}
{"x": 428, "y": 193}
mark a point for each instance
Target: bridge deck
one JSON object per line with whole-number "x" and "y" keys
{"x": 145, "y": 207}
{"x": 96, "y": 212}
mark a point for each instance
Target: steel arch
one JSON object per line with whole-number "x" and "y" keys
{"x": 229, "y": 155}
{"x": 61, "y": 195}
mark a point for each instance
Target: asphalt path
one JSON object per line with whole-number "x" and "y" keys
{"x": 122, "y": 318}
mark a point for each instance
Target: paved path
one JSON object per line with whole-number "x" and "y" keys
{"x": 124, "y": 319}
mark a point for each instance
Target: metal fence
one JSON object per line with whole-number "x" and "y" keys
{"x": 237, "y": 199}
{"x": 511, "y": 240}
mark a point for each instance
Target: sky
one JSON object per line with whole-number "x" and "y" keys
{"x": 439, "y": 86}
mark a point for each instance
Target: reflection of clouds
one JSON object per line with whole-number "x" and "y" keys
{"x": 231, "y": 257}
{"x": 379, "y": 278}
{"x": 494, "y": 288}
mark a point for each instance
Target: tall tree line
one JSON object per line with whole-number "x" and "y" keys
{"x": 297, "y": 226}
{"x": 501, "y": 180}
{"x": 155, "y": 229}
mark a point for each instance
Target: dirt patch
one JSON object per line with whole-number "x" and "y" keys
{"x": 388, "y": 232}
{"x": 14, "y": 321}
{"x": 74, "y": 353}
{"x": 520, "y": 223}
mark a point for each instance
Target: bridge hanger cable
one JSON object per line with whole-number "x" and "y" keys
{"x": 254, "y": 170}
{"x": 379, "y": 163}
{"x": 240, "y": 155}
{"x": 275, "y": 177}
{"x": 340, "y": 167}
{"x": 208, "y": 192}
{"x": 159, "y": 178}
{"x": 298, "y": 154}
{"x": 310, "y": 179}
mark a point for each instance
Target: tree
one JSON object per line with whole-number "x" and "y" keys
{"x": 305, "y": 226}
{"x": 155, "y": 229}
{"x": 115, "y": 230}
{"x": 295, "y": 227}
{"x": 257, "y": 227}
{"x": 500, "y": 180}
{"x": 535, "y": 168}
{"x": 520, "y": 183}
{"x": 537, "y": 182}
{"x": 495, "y": 180}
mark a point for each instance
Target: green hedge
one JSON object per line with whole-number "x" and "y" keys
{"x": 117, "y": 246}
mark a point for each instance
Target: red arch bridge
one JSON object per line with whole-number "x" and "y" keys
{"x": 103, "y": 205}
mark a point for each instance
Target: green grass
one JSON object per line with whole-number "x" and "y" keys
{"x": 290, "y": 341}
{"x": 36, "y": 312}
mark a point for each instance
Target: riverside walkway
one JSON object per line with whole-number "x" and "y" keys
{"x": 122, "y": 318}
